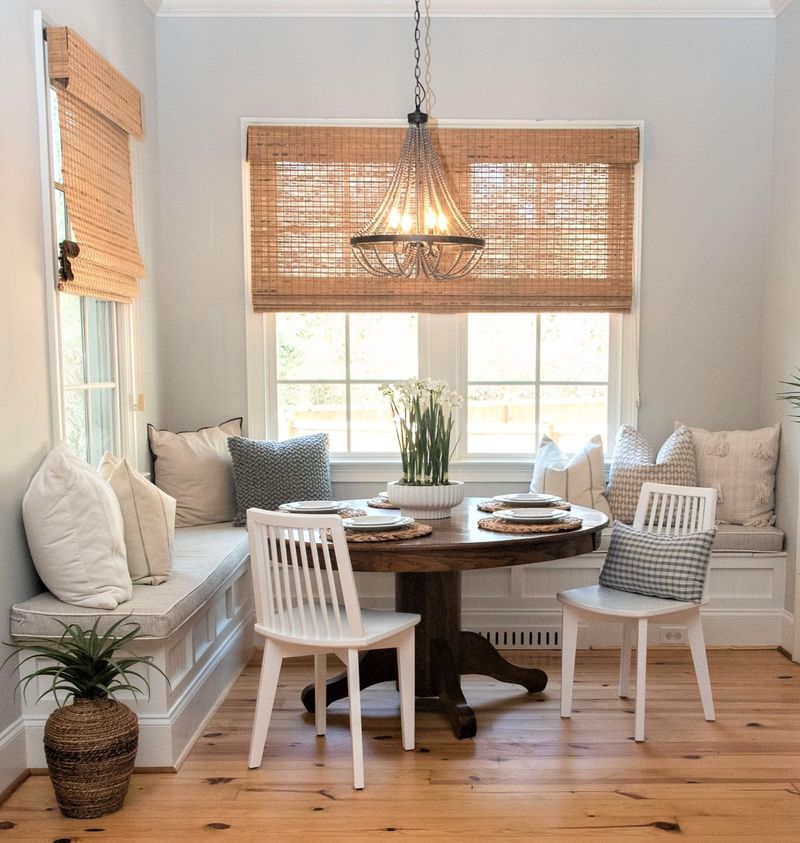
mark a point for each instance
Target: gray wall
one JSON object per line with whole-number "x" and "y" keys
{"x": 782, "y": 290}
{"x": 703, "y": 87}
{"x": 123, "y": 31}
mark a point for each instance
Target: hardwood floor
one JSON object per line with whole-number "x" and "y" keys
{"x": 528, "y": 773}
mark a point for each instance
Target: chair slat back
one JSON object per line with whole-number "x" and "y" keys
{"x": 303, "y": 580}
{"x": 675, "y": 510}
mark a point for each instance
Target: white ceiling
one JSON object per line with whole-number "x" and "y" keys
{"x": 472, "y": 8}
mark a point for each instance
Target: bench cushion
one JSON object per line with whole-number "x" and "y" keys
{"x": 733, "y": 538}
{"x": 204, "y": 557}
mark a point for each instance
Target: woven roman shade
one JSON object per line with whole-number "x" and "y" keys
{"x": 556, "y": 207}
{"x": 98, "y": 109}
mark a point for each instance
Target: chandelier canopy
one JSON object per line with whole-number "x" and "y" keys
{"x": 418, "y": 228}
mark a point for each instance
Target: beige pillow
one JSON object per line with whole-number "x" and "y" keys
{"x": 633, "y": 464}
{"x": 579, "y": 480}
{"x": 148, "y": 516}
{"x": 740, "y": 465}
{"x": 195, "y": 468}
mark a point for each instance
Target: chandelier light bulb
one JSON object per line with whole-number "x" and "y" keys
{"x": 394, "y": 218}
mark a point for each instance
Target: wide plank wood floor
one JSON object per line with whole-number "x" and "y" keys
{"x": 528, "y": 774}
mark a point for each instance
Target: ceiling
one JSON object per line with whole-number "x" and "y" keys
{"x": 472, "y": 8}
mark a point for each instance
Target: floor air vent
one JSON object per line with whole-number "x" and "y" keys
{"x": 543, "y": 638}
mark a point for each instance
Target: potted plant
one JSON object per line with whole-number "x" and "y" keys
{"x": 793, "y": 395}
{"x": 90, "y": 744}
{"x": 423, "y": 417}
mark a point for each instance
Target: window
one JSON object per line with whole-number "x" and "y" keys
{"x": 90, "y": 310}
{"x": 549, "y": 345}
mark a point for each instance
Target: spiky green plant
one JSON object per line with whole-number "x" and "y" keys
{"x": 792, "y": 395}
{"x": 86, "y": 665}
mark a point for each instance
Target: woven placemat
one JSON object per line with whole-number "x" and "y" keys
{"x": 498, "y": 525}
{"x": 413, "y": 531}
{"x": 344, "y": 512}
{"x": 494, "y": 506}
{"x": 381, "y": 503}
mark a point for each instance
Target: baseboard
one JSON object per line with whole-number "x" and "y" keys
{"x": 787, "y": 644}
{"x": 13, "y": 760}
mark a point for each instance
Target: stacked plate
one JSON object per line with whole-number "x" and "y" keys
{"x": 312, "y": 507}
{"x": 366, "y": 523}
{"x": 528, "y": 499}
{"x": 531, "y": 515}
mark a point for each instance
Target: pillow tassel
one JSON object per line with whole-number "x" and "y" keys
{"x": 718, "y": 446}
{"x": 763, "y": 451}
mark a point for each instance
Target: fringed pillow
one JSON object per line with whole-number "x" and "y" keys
{"x": 740, "y": 465}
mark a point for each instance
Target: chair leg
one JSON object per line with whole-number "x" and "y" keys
{"x": 569, "y": 644}
{"x": 694, "y": 627}
{"x": 320, "y": 693}
{"x": 628, "y": 634}
{"x": 267, "y": 686}
{"x": 641, "y": 678}
{"x": 405, "y": 673}
{"x": 354, "y": 693}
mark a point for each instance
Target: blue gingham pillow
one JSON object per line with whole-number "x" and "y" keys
{"x": 673, "y": 567}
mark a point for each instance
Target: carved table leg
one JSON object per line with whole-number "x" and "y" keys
{"x": 374, "y": 666}
{"x": 451, "y": 697}
{"x": 479, "y": 656}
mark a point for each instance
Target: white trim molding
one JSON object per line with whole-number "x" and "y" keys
{"x": 473, "y": 8}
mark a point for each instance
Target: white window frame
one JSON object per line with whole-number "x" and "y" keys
{"x": 439, "y": 357}
{"x": 126, "y": 316}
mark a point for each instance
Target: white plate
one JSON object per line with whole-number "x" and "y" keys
{"x": 377, "y": 522}
{"x": 531, "y": 514}
{"x": 528, "y": 498}
{"x": 311, "y": 506}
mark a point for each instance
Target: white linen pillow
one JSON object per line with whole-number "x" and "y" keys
{"x": 579, "y": 480}
{"x": 194, "y": 467}
{"x": 148, "y": 516}
{"x": 75, "y": 533}
{"x": 741, "y": 466}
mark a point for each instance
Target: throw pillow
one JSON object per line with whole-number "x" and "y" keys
{"x": 579, "y": 480}
{"x": 148, "y": 516}
{"x": 268, "y": 474}
{"x": 194, "y": 467}
{"x": 656, "y": 564}
{"x": 633, "y": 464}
{"x": 741, "y": 466}
{"x": 75, "y": 534}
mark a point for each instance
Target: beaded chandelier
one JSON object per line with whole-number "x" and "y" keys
{"x": 418, "y": 228}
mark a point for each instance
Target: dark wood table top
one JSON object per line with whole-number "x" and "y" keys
{"x": 458, "y": 544}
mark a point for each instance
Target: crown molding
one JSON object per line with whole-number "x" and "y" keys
{"x": 473, "y": 8}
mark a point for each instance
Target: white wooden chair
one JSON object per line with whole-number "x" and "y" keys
{"x": 661, "y": 509}
{"x": 306, "y": 603}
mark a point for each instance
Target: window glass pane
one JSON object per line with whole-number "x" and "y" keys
{"x": 310, "y": 345}
{"x": 102, "y": 429}
{"x": 375, "y": 339}
{"x": 313, "y": 408}
{"x": 75, "y": 428}
{"x": 56, "y": 137}
{"x": 574, "y": 347}
{"x": 501, "y": 419}
{"x": 71, "y": 339}
{"x": 100, "y": 362}
{"x": 502, "y": 346}
{"x": 571, "y": 415}
{"x": 372, "y": 428}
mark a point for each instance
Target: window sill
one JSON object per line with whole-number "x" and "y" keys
{"x": 380, "y": 470}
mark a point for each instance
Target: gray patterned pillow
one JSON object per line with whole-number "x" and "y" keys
{"x": 267, "y": 474}
{"x": 673, "y": 567}
{"x": 633, "y": 464}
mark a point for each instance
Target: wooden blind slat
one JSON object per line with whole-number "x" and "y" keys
{"x": 95, "y": 152}
{"x": 555, "y": 207}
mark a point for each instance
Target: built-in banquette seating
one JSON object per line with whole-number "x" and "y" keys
{"x": 197, "y": 626}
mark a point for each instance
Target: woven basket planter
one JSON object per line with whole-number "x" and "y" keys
{"x": 90, "y": 748}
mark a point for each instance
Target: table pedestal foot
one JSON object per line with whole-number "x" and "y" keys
{"x": 451, "y": 697}
{"x": 374, "y": 666}
{"x": 479, "y": 656}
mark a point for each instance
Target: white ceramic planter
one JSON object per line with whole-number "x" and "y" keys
{"x": 426, "y": 501}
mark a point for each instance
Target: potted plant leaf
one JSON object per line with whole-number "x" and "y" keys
{"x": 90, "y": 744}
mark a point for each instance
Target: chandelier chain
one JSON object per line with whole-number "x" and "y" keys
{"x": 419, "y": 88}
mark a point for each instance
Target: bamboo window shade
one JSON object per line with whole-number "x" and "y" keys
{"x": 98, "y": 109}
{"x": 556, "y": 207}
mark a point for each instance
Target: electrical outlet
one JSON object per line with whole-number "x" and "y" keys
{"x": 673, "y": 634}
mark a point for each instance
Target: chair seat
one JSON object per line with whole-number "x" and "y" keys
{"x": 624, "y": 604}
{"x": 377, "y": 625}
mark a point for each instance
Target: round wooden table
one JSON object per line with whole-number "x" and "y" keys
{"x": 428, "y": 581}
